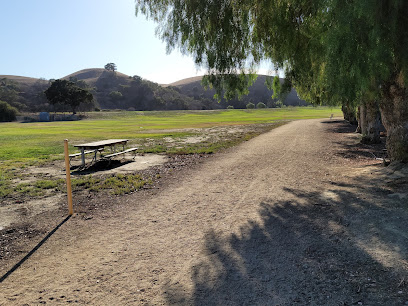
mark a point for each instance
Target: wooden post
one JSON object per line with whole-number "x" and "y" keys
{"x": 68, "y": 172}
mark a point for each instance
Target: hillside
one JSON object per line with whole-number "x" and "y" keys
{"x": 115, "y": 90}
{"x": 26, "y": 81}
{"x": 24, "y": 93}
{"x": 92, "y": 75}
{"x": 258, "y": 92}
{"x": 110, "y": 91}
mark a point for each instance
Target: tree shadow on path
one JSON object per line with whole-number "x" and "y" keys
{"x": 331, "y": 248}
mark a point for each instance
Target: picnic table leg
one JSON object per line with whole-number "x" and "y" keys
{"x": 83, "y": 156}
{"x": 96, "y": 151}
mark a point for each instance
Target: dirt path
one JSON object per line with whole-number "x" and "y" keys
{"x": 279, "y": 220}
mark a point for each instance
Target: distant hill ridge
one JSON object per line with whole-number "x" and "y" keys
{"x": 92, "y": 74}
{"x": 186, "y": 81}
{"x": 258, "y": 92}
{"x": 120, "y": 91}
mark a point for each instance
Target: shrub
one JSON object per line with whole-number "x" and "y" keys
{"x": 250, "y": 105}
{"x": 115, "y": 95}
{"x": 278, "y": 103}
{"x": 7, "y": 112}
{"x": 261, "y": 105}
{"x": 230, "y": 107}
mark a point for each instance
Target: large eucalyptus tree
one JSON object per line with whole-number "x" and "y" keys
{"x": 333, "y": 51}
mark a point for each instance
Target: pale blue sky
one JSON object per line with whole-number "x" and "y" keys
{"x": 53, "y": 38}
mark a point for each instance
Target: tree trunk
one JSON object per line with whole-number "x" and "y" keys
{"x": 394, "y": 113}
{"x": 363, "y": 119}
{"x": 358, "y": 130}
{"x": 372, "y": 122}
{"x": 349, "y": 113}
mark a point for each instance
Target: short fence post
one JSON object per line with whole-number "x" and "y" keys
{"x": 68, "y": 172}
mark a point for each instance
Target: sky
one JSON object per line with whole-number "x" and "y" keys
{"x": 54, "y": 38}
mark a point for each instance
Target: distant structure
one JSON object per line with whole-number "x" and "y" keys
{"x": 44, "y": 116}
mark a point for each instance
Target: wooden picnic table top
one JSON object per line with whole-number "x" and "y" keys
{"x": 101, "y": 143}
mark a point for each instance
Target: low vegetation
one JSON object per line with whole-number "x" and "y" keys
{"x": 261, "y": 105}
{"x": 118, "y": 184}
{"x": 250, "y": 105}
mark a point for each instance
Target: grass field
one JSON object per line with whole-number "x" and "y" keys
{"x": 27, "y": 142}
{"x": 173, "y": 132}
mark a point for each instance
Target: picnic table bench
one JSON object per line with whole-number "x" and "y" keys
{"x": 85, "y": 152}
{"x": 119, "y": 153}
{"x": 99, "y": 146}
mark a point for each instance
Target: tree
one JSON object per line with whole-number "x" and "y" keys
{"x": 7, "y": 112}
{"x": 136, "y": 79}
{"x": 331, "y": 52}
{"x": 111, "y": 67}
{"x": 66, "y": 92}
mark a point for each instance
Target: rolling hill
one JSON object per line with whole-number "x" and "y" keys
{"x": 110, "y": 91}
{"x": 115, "y": 90}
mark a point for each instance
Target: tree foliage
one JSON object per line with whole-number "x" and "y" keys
{"x": 9, "y": 91}
{"x": 80, "y": 83}
{"x": 115, "y": 95}
{"x": 66, "y": 92}
{"x": 7, "y": 112}
{"x": 276, "y": 86}
{"x": 319, "y": 42}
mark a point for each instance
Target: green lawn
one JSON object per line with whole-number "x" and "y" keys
{"x": 44, "y": 140}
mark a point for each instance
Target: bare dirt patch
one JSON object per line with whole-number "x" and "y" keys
{"x": 13, "y": 214}
{"x": 22, "y": 218}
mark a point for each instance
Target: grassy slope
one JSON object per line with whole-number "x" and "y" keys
{"x": 42, "y": 140}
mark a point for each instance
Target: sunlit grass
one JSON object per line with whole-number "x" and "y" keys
{"x": 27, "y": 144}
{"x": 44, "y": 140}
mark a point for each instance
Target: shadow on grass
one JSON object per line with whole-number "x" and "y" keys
{"x": 332, "y": 248}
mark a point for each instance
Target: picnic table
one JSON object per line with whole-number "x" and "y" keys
{"x": 99, "y": 146}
